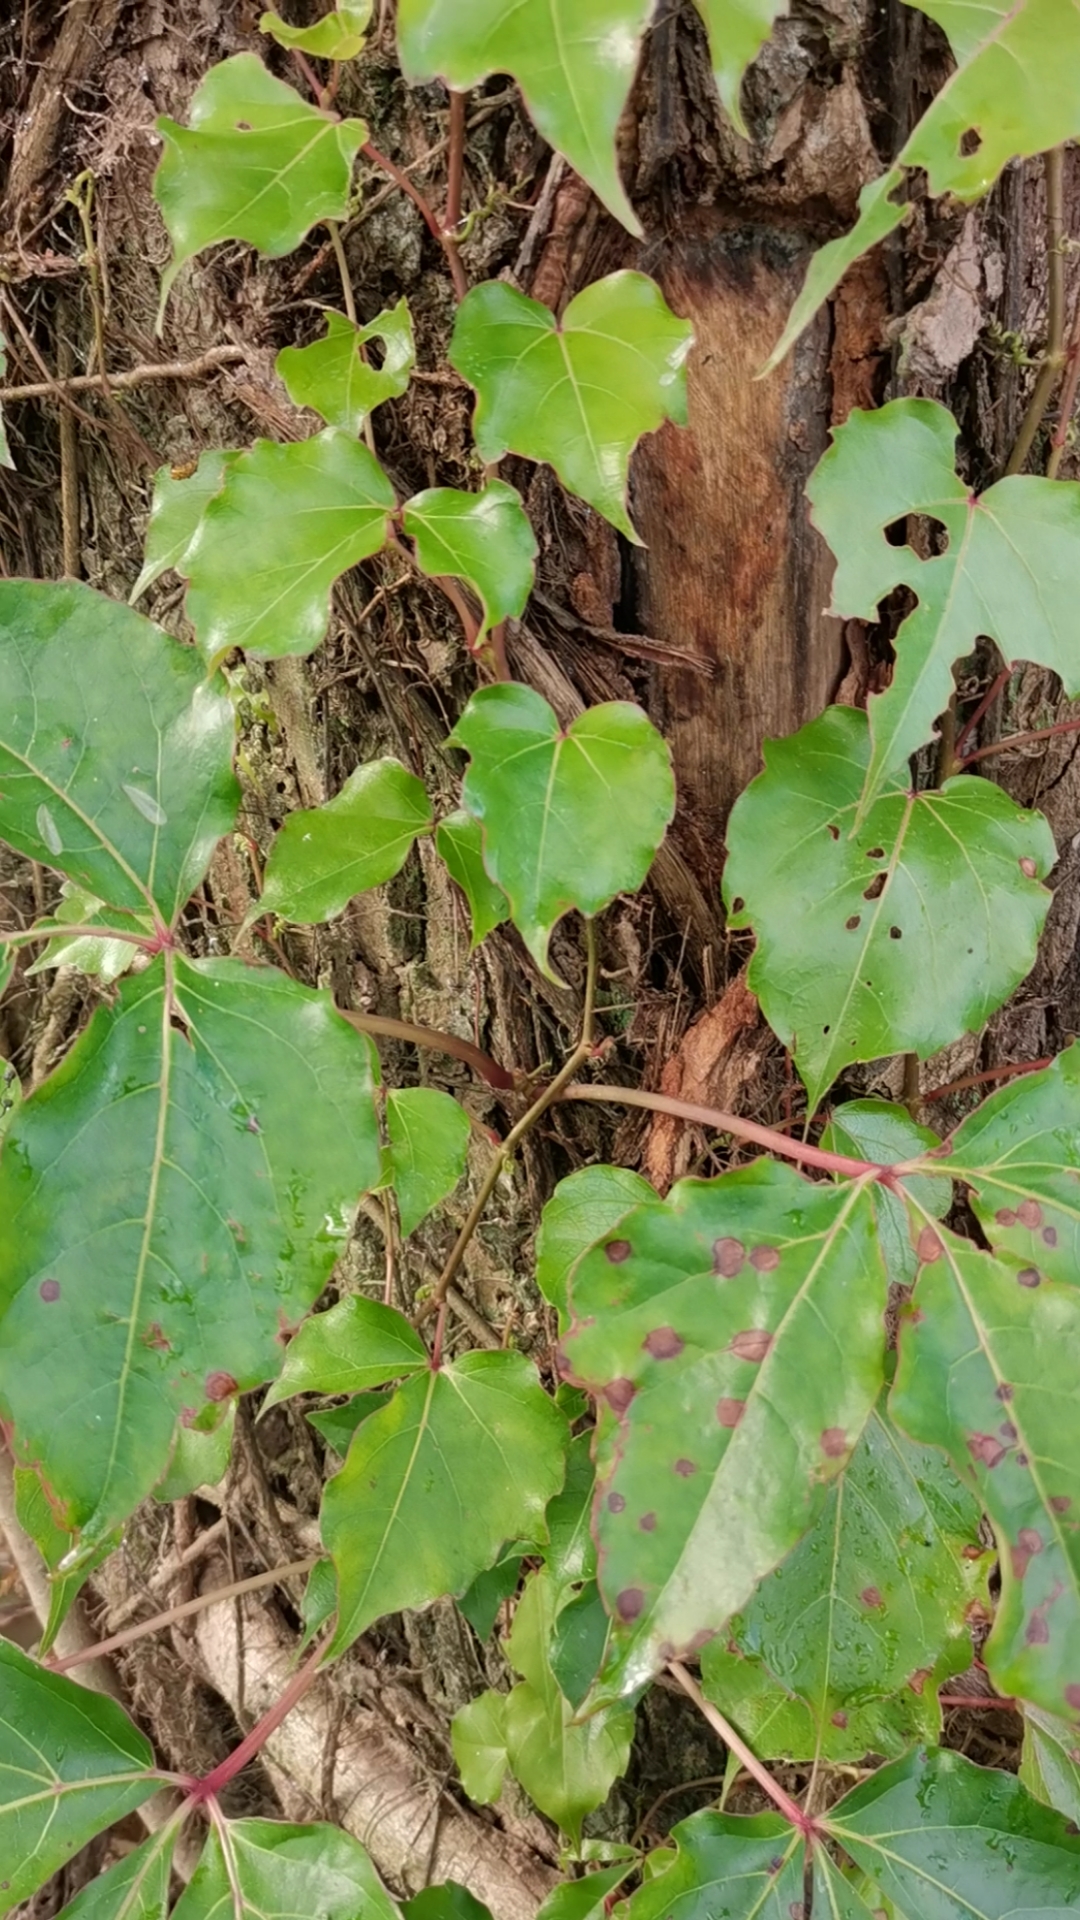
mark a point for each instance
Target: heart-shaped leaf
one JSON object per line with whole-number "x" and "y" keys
{"x": 584, "y": 1207}
{"x": 482, "y": 538}
{"x": 574, "y": 64}
{"x": 159, "y": 1292}
{"x": 115, "y": 750}
{"x": 710, "y": 1326}
{"x": 175, "y": 515}
{"x": 464, "y": 1457}
{"x": 337, "y": 36}
{"x": 333, "y": 377}
{"x": 256, "y": 163}
{"x": 549, "y": 802}
{"x": 356, "y": 1345}
{"x": 755, "y": 1866}
{"x": 738, "y": 29}
{"x": 429, "y": 1145}
{"x": 301, "y": 514}
{"x": 901, "y": 933}
{"x": 265, "y": 1870}
{"x": 459, "y": 841}
{"x": 988, "y": 1372}
{"x": 322, "y": 856}
{"x": 579, "y": 394}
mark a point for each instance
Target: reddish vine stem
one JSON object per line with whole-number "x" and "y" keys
{"x": 1008, "y": 1072}
{"x": 737, "y": 1745}
{"x": 482, "y": 1063}
{"x": 1021, "y": 740}
{"x": 208, "y": 1788}
{"x": 996, "y": 686}
{"x": 400, "y": 179}
{"x": 729, "y": 1123}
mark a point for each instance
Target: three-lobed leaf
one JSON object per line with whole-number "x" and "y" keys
{"x": 429, "y": 1143}
{"x": 333, "y": 377}
{"x": 483, "y": 538}
{"x": 322, "y": 856}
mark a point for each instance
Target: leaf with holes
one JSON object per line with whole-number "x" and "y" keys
{"x": 256, "y": 163}
{"x": 176, "y": 514}
{"x": 899, "y": 934}
{"x": 574, "y": 61}
{"x": 584, "y": 1207}
{"x": 737, "y": 29}
{"x": 734, "y": 1336}
{"x": 71, "y": 1763}
{"x": 875, "y": 1130}
{"x": 337, "y": 36}
{"x": 136, "y": 1888}
{"x": 156, "y": 1293}
{"x": 465, "y": 1457}
{"x": 988, "y": 1373}
{"x": 1008, "y": 570}
{"x": 577, "y": 393}
{"x": 459, "y": 842}
{"x": 1050, "y": 1765}
{"x": 842, "y": 1650}
{"x": 333, "y": 377}
{"x": 301, "y": 515}
{"x": 265, "y": 1870}
{"x": 570, "y": 818}
{"x": 115, "y": 750}
{"x": 323, "y": 856}
{"x": 352, "y": 1347}
{"x": 754, "y": 1866}
{"x": 429, "y": 1145}
{"x": 482, "y": 538}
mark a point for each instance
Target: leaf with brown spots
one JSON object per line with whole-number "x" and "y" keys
{"x": 721, "y": 1443}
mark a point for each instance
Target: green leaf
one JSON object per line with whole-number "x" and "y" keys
{"x": 580, "y": 393}
{"x": 570, "y": 1553}
{"x": 429, "y": 1146}
{"x": 337, "y": 36}
{"x": 338, "y": 1424}
{"x": 323, "y": 856}
{"x": 36, "y": 1518}
{"x": 264, "y": 1870}
{"x": 899, "y": 934}
{"x": 198, "y": 1459}
{"x": 105, "y": 958}
{"x": 134, "y": 1300}
{"x": 583, "y": 1207}
{"x": 478, "y": 1735}
{"x": 842, "y": 1650}
{"x": 578, "y": 1643}
{"x": 459, "y": 842}
{"x": 583, "y": 1899}
{"x": 332, "y": 376}
{"x": 449, "y": 1901}
{"x": 354, "y": 1346}
{"x": 481, "y": 1603}
{"x": 743, "y": 1869}
{"x": 880, "y": 213}
{"x": 482, "y": 538}
{"x": 301, "y": 515}
{"x": 570, "y": 818}
{"x": 988, "y": 1372}
{"x": 462, "y": 1459}
{"x": 738, "y": 29}
{"x": 574, "y": 64}
{"x": 1050, "y": 1767}
{"x": 136, "y": 1888}
{"x": 256, "y": 164}
{"x": 176, "y": 513}
{"x": 319, "y": 1603}
{"x": 876, "y": 1130}
{"x": 10, "y": 1089}
{"x": 114, "y": 748}
{"x": 1007, "y": 572}
{"x": 70, "y": 1764}
{"x": 711, "y": 1327}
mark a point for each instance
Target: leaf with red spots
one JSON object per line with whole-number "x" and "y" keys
{"x": 988, "y": 1372}
{"x": 584, "y": 1206}
{"x": 727, "y": 1446}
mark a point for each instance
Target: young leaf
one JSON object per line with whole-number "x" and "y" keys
{"x": 901, "y": 933}
{"x": 175, "y": 514}
{"x": 462, "y": 1459}
{"x": 876, "y": 1130}
{"x": 842, "y": 1650}
{"x": 579, "y": 394}
{"x": 753, "y": 1865}
{"x": 332, "y": 376}
{"x": 737, "y": 29}
{"x": 478, "y": 1735}
{"x": 354, "y": 1346}
{"x": 301, "y": 515}
{"x": 1007, "y": 571}
{"x": 987, "y": 1372}
{"x": 583, "y": 1899}
{"x": 710, "y": 1326}
{"x": 573, "y": 63}
{"x": 263, "y": 1870}
{"x": 337, "y": 36}
{"x": 429, "y": 1145}
{"x": 570, "y": 818}
{"x": 482, "y": 538}
{"x": 583, "y": 1208}
{"x": 70, "y": 1764}
{"x": 446, "y": 1902}
{"x": 129, "y": 1301}
{"x": 136, "y": 1888}
{"x": 459, "y": 842}
{"x": 1050, "y": 1767}
{"x": 322, "y": 856}
{"x": 115, "y": 750}
{"x": 256, "y": 164}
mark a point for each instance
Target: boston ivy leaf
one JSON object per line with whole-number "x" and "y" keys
{"x": 459, "y": 842}
{"x": 480, "y": 1603}
{"x": 356, "y": 1345}
{"x": 429, "y": 1144}
{"x": 478, "y": 1735}
{"x": 1050, "y": 1766}
{"x": 573, "y": 63}
{"x": 448, "y": 1901}
{"x": 482, "y": 538}
{"x": 583, "y": 1899}
{"x": 880, "y": 213}
{"x": 265, "y": 1870}
{"x": 257, "y": 163}
{"x": 987, "y": 1372}
{"x": 1007, "y": 571}
{"x": 876, "y": 1130}
{"x": 332, "y": 376}
{"x": 114, "y": 748}
{"x": 738, "y": 29}
{"x": 734, "y": 1334}
{"x": 579, "y": 394}
{"x": 842, "y": 1650}
{"x": 132, "y": 1301}
{"x": 753, "y": 1866}
{"x": 570, "y": 1554}
{"x": 136, "y": 1888}
{"x": 583, "y": 1207}
{"x": 549, "y": 801}
{"x": 70, "y": 1764}
{"x": 463, "y": 1458}
{"x": 903, "y": 932}
{"x": 337, "y": 36}
{"x": 99, "y": 955}
{"x": 578, "y": 1643}
{"x": 322, "y": 856}
{"x": 175, "y": 513}
{"x": 36, "y": 1518}
{"x": 301, "y": 514}
{"x": 338, "y": 1424}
